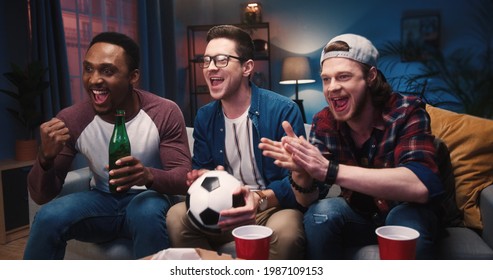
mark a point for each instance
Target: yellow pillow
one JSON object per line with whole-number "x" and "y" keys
{"x": 470, "y": 142}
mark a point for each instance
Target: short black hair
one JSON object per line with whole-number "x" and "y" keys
{"x": 131, "y": 48}
{"x": 244, "y": 43}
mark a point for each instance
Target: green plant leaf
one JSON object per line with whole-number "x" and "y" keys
{"x": 30, "y": 86}
{"x": 465, "y": 73}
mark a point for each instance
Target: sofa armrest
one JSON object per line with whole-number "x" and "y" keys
{"x": 76, "y": 181}
{"x": 486, "y": 207}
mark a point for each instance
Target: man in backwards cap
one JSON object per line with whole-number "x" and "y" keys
{"x": 374, "y": 143}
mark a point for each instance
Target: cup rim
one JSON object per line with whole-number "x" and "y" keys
{"x": 412, "y": 233}
{"x": 266, "y": 232}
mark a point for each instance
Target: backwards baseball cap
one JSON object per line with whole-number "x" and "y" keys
{"x": 360, "y": 49}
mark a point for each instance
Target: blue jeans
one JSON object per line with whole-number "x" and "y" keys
{"x": 95, "y": 216}
{"x": 331, "y": 226}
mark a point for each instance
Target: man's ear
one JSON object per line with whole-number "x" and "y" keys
{"x": 372, "y": 75}
{"x": 134, "y": 77}
{"x": 248, "y": 67}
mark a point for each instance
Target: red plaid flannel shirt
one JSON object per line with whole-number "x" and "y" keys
{"x": 406, "y": 137}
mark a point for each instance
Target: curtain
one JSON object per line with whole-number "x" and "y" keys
{"x": 156, "y": 39}
{"x": 48, "y": 46}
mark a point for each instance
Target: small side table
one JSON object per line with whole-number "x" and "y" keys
{"x": 14, "y": 200}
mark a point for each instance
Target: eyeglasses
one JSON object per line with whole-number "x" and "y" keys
{"x": 220, "y": 60}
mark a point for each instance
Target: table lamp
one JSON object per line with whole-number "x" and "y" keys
{"x": 296, "y": 70}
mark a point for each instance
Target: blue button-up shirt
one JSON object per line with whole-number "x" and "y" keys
{"x": 267, "y": 112}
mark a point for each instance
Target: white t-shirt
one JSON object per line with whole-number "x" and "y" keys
{"x": 240, "y": 152}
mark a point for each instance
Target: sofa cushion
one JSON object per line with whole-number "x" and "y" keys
{"x": 450, "y": 215}
{"x": 469, "y": 140}
{"x": 119, "y": 249}
{"x": 460, "y": 243}
{"x": 190, "y": 138}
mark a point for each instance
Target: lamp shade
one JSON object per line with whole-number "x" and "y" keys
{"x": 296, "y": 70}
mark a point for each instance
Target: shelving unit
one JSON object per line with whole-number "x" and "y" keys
{"x": 199, "y": 92}
{"x": 14, "y": 204}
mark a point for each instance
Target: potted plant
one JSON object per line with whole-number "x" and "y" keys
{"x": 30, "y": 86}
{"x": 464, "y": 73}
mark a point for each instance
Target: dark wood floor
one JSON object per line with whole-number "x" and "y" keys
{"x": 13, "y": 250}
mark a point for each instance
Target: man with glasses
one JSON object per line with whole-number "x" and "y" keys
{"x": 227, "y": 132}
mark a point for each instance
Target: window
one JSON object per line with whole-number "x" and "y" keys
{"x": 82, "y": 19}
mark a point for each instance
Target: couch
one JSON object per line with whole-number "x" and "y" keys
{"x": 461, "y": 238}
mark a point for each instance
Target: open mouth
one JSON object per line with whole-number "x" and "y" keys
{"x": 216, "y": 81}
{"x": 100, "y": 95}
{"x": 339, "y": 103}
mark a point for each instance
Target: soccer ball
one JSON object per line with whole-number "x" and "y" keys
{"x": 208, "y": 195}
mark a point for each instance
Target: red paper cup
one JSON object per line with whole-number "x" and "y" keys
{"x": 252, "y": 242}
{"x": 397, "y": 242}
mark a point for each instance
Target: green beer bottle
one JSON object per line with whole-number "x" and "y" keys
{"x": 119, "y": 145}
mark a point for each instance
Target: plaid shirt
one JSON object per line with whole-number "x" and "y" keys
{"x": 406, "y": 137}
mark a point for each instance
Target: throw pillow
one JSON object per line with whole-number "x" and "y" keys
{"x": 450, "y": 215}
{"x": 470, "y": 142}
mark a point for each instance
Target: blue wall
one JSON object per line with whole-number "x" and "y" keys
{"x": 297, "y": 27}
{"x": 304, "y": 27}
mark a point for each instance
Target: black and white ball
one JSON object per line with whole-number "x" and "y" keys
{"x": 208, "y": 195}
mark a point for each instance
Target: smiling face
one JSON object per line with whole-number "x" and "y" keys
{"x": 346, "y": 88}
{"x": 107, "y": 79}
{"x": 225, "y": 82}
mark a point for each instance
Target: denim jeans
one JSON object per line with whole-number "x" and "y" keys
{"x": 95, "y": 216}
{"x": 331, "y": 226}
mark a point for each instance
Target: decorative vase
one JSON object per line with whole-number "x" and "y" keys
{"x": 26, "y": 150}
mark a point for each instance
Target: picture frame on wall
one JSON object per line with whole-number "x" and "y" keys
{"x": 420, "y": 35}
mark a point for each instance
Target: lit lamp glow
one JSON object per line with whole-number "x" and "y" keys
{"x": 295, "y": 71}
{"x": 252, "y": 13}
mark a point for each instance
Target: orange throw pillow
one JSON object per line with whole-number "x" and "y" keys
{"x": 470, "y": 142}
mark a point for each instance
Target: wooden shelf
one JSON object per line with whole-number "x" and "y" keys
{"x": 14, "y": 206}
